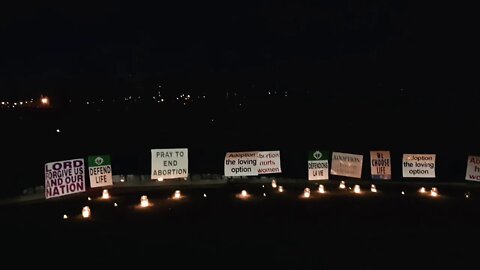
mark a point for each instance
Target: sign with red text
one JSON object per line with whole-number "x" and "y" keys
{"x": 269, "y": 162}
{"x": 64, "y": 177}
{"x": 473, "y": 168}
{"x": 241, "y": 164}
{"x": 349, "y": 165}
{"x": 418, "y": 165}
{"x": 380, "y": 164}
{"x": 169, "y": 163}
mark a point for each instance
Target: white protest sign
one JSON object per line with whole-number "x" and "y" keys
{"x": 269, "y": 162}
{"x": 241, "y": 164}
{"x": 473, "y": 168}
{"x": 169, "y": 163}
{"x": 381, "y": 164}
{"x": 349, "y": 165}
{"x": 418, "y": 165}
{"x": 100, "y": 171}
{"x": 317, "y": 165}
{"x": 64, "y": 177}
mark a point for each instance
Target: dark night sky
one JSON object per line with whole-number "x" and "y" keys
{"x": 355, "y": 45}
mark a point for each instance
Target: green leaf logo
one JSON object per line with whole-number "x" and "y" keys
{"x": 99, "y": 161}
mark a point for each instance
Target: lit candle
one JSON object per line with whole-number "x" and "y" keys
{"x": 65, "y": 217}
{"x": 160, "y": 179}
{"x": 373, "y": 188}
{"x": 204, "y": 195}
{"x": 321, "y": 189}
{"x": 434, "y": 192}
{"x": 88, "y": 198}
{"x": 144, "y": 201}
{"x": 244, "y": 194}
{"x": 306, "y": 193}
{"x": 115, "y": 204}
{"x": 274, "y": 184}
{"x": 86, "y": 212}
{"x": 280, "y": 189}
{"x": 177, "y": 194}
{"x": 342, "y": 185}
{"x": 422, "y": 190}
{"x": 105, "y": 194}
{"x": 356, "y": 189}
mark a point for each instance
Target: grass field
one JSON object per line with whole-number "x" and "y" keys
{"x": 338, "y": 229}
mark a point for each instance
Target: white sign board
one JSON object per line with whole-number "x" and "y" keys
{"x": 473, "y": 168}
{"x": 317, "y": 165}
{"x": 64, "y": 177}
{"x": 418, "y": 165}
{"x": 241, "y": 164}
{"x": 100, "y": 171}
{"x": 380, "y": 163}
{"x": 349, "y": 165}
{"x": 169, "y": 163}
{"x": 269, "y": 162}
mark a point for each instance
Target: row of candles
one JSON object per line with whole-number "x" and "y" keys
{"x": 86, "y": 212}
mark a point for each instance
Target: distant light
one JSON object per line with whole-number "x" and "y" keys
{"x": 274, "y": 183}
{"x": 467, "y": 195}
{"x": 356, "y": 189}
{"x": 403, "y": 192}
{"x": 65, "y": 217}
{"x": 321, "y": 189}
{"x": 177, "y": 195}
{"x": 144, "y": 201}
{"x": 105, "y": 194}
{"x": 204, "y": 195}
{"x": 86, "y": 212}
{"x": 44, "y": 100}
{"x": 434, "y": 192}
{"x": 342, "y": 185}
{"x": 306, "y": 193}
{"x": 88, "y": 198}
{"x": 162, "y": 100}
{"x": 373, "y": 188}
{"x": 243, "y": 195}
{"x": 21, "y": 103}
{"x": 422, "y": 190}
{"x": 3, "y": 103}
{"x": 58, "y": 130}
{"x": 122, "y": 180}
{"x": 263, "y": 186}
{"x": 115, "y": 204}
{"x": 280, "y": 189}
{"x": 160, "y": 179}
{"x": 264, "y": 195}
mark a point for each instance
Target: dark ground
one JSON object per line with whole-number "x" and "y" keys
{"x": 330, "y": 231}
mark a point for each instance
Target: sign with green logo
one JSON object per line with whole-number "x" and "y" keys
{"x": 100, "y": 170}
{"x": 317, "y": 165}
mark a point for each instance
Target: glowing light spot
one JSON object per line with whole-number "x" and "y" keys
{"x": 403, "y": 192}
{"x": 244, "y": 194}
{"x": 422, "y": 190}
{"x": 274, "y": 184}
{"x": 86, "y": 212}
{"x": 88, "y": 198}
{"x": 177, "y": 195}
{"x": 115, "y": 204}
{"x": 65, "y": 217}
{"x": 280, "y": 189}
{"x": 144, "y": 201}
{"x": 356, "y": 189}
{"x": 306, "y": 193}
{"x": 342, "y": 185}
{"x": 321, "y": 189}
{"x": 160, "y": 179}
{"x": 373, "y": 188}
{"x": 434, "y": 192}
{"x": 105, "y": 194}
{"x": 204, "y": 195}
